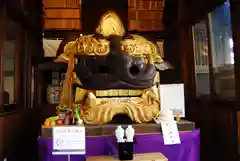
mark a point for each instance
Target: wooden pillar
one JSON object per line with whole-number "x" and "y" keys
{"x": 186, "y": 52}
{"x": 17, "y": 64}
{"x": 188, "y": 67}
{"x": 2, "y": 57}
{"x": 235, "y": 12}
{"x": 27, "y": 70}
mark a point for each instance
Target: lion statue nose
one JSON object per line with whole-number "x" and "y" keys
{"x": 129, "y": 68}
{"x": 137, "y": 68}
{"x": 134, "y": 70}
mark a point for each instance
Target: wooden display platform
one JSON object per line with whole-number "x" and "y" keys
{"x": 109, "y": 129}
{"x": 137, "y": 157}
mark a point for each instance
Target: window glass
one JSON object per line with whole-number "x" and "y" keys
{"x": 222, "y": 51}
{"x": 201, "y": 58}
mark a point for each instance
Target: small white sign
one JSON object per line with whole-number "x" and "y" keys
{"x": 69, "y": 140}
{"x": 172, "y": 98}
{"x": 170, "y": 132}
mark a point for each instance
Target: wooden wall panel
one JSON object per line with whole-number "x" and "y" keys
{"x": 62, "y": 14}
{"x": 62, "y": 3}
{"x": 217, "y": 121}
{"x": 54, "y": 3}
{"x": 18, "y": 134}
{"x": 63, "y": 24}
{"x": 145, "y": 15}
{"x": 73, "y": 3}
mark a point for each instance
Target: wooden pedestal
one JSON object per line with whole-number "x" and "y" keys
{"x": 109, "y": 129}
{"x": 137, "y": 157}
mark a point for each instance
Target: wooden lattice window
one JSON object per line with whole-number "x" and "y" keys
{"x": 200, "y": 38}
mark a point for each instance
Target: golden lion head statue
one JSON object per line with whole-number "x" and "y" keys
{"x": 115, "y": 73}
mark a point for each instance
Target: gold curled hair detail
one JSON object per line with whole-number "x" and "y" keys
{"x": 141, "y": 47}
{"x": 110, "y": 24}
{"x": 85, "y": 45}
{"x": 90, "y": 46}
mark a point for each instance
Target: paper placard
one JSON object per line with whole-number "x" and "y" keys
{"x": 50, "y": 47}
{"x": 170, "y": 132}
{"x": 172, "y": 98}
{"x": 69, "y": 140}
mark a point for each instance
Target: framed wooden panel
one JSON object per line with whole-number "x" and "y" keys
{"x": 54, "y": 3}
{"x": 62, "y": 24}
{"x": 156, "y": 5}
{"x": 149, "y": 15}
{"x": 62, "y": 14}
{"x": 145, "y": 15}
{"x": 62, "y": 3}
{"x": 145, "y": 25}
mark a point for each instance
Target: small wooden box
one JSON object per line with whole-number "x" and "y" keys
{"x": 137, "y": 157}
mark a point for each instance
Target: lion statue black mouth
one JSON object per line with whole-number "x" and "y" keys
{"x": 116, "y": 70}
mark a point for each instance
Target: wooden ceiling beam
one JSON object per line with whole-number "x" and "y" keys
{"x": 197, "y": 10}
{"x": 54, "y": 34}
